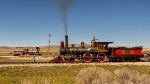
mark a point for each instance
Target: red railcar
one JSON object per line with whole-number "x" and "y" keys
{"x": 126, "y": 54}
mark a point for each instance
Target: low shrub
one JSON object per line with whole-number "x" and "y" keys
{"x": 94, "y": 75}
{"x": 97, "y": 75}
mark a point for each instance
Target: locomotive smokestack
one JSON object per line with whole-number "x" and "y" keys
{"x": 66, "y": 41}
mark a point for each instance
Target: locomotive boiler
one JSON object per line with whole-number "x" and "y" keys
{"x": 97, "y": 52}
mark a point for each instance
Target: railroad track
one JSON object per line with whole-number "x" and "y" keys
{"x": 24, "y": 63}
{"x": 38, "y": 64}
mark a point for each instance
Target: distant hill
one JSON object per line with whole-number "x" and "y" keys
{"x": 52, "y": 46}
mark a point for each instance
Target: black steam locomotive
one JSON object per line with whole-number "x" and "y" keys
{"x": 98, "y": 52}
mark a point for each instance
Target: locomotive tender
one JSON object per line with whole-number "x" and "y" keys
{"x": 98, "y": 52}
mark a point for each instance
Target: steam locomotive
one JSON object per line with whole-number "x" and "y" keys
{"x": 26, "y": 52}
{"x": 98, "y": 52}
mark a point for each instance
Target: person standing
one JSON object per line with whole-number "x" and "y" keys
{"x": 35, "y": 58}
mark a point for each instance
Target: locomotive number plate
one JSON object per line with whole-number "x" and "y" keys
{"x": 67, "y": 56}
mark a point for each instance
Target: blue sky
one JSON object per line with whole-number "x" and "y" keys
{"x": 28, "y": 22}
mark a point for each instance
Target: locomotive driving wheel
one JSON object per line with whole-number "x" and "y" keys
{"x": 87, "y": 57}
{"x": 59, "y": 59}
{"x": 101, "y": 57}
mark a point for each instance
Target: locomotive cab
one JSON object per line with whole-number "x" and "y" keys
{"x": 103, "y": 50}
{"x": 103, "y": 46}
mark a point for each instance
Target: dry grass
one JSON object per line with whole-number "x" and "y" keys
{"x": 81, "y": 74}
{"x": 125, "y": 76}
{"x": 95, "y": 75}
{"x": 26, "y": 82}
{"x": 44, "y": 81}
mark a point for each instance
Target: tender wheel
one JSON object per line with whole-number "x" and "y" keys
{"x": 101, "y": 57}
{"x": 87, "y": 57}
{"x": 72, "y": 59}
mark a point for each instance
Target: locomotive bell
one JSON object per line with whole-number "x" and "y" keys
{"x": 93, "y": 43}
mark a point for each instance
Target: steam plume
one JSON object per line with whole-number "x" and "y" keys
{"x": 64, "y": 6}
